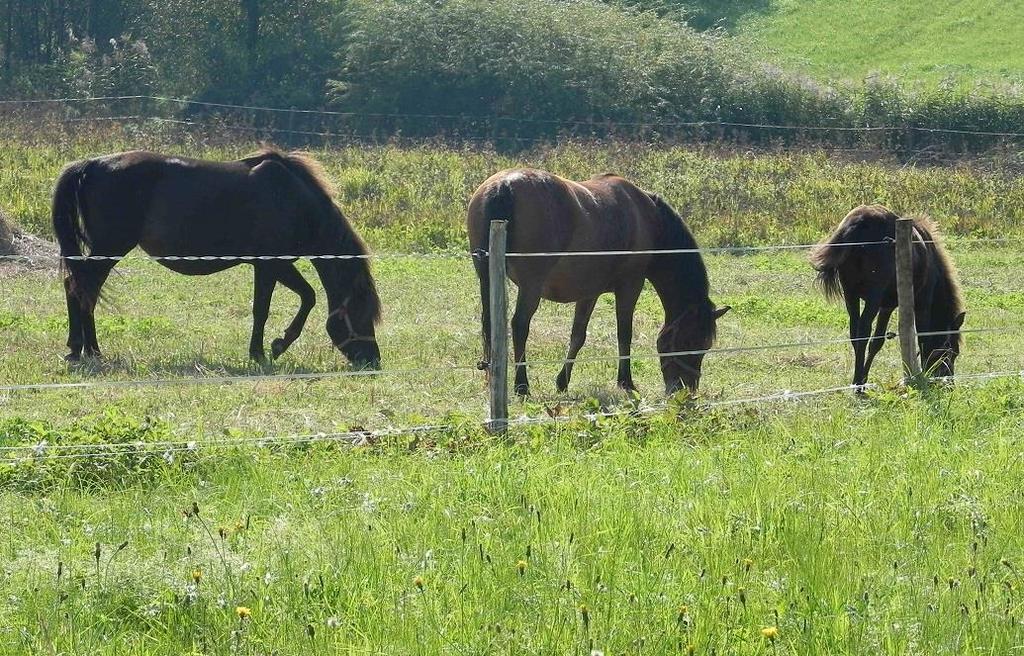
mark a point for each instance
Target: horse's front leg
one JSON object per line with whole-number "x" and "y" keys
{"x": 625, "y": 305}
{"x": 263, "y": 290}
{"x": 290, "y": 277}
{"x": 526, "y": 305}
{"x": 878, "y": 338}
{"x": 860, "y": 341}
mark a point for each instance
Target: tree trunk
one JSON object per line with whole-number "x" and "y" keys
{"x": 9, "y": 40}
{"x": 251, "y": 9}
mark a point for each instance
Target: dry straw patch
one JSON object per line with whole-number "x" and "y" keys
{"x": 38, "y": 253}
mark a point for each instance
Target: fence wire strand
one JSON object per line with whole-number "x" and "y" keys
{"x": 865, "y": 129}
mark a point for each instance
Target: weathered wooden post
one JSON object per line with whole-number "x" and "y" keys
{"x": 905, "y": 293}
{"x": 499, "y": 327}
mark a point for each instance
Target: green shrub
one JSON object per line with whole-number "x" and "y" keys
{"x": 530, "y": 59}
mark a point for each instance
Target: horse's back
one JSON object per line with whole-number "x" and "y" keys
{"x": 548, "y": 213}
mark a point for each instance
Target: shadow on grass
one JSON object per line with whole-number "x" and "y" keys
{"x": 189, "y": 367}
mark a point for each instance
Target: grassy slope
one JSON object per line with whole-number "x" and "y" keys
{"x": 917, "y": 39}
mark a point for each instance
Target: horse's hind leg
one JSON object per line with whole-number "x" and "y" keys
{"x": 527, "y": 302}
{"x": 290, "y": 277}
{"x": 76, "y": 337}
{"x": 91, "y": 278}
{"x": 580, "y": 320}
{"x": 625, "y": 305}
{"x": 263, "y": 290}
{"x": 483, "y": 275}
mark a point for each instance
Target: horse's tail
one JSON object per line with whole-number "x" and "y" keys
{"x": 499, "y": 202}
{"x": 498, "y": 205}
{"x": 826, "y": 259}
{"x": 68, "y": 220}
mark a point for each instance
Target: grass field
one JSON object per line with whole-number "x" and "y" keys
{"x": 414, "y": 198}
{"x": 889, "y": 524}
{"x": 969, "y": 40}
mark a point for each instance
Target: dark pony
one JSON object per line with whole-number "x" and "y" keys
{"x": 606, "y": 213}
{"x": 867, "y": 273}
{"x": 270, "y": 203}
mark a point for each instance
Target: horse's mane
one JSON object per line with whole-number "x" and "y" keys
{"x": 305, "y": 167}
{"x": 687, "y": 268}
{"x": 930, "y": 230}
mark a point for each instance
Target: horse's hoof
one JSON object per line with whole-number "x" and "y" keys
{"x": 258, "y": 357}
{"x": 73, "y": 357}
{"x": 278, "y": 347}
{"x": 522, "y": 390}
{"x": 561, "y": 383}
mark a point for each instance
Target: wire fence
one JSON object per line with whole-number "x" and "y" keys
{"x": 911, "y": 142}
{"x": 713, "y": 250}
{"x": 43, "y": 452}
{"x": 32, "y": 453}
{"x": 519, "y": 119}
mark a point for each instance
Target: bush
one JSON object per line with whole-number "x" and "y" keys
{"x": 121, "y": 67}
{"x": 530, "y": 59}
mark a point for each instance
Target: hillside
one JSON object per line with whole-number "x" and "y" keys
{"x": 918, "y": 39}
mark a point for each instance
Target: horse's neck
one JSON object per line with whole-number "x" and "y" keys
{"x": 676, "y": 293}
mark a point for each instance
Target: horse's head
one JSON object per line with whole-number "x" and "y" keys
{"x": 941, "y": 351}
{"x": 353, "y": 309}
{"x": 683, "y": 343}
{"x": 352, "y": 331}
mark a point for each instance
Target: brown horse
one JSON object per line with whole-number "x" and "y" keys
{"x": 270, "y": 203}
{"x": 606, "y": 213}
{"x": 867, "y": 273}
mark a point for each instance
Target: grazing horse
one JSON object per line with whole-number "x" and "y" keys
{"x": 606, "y": 213}
{"x": 270, "y": 203}
{"x": 867, "y": 273}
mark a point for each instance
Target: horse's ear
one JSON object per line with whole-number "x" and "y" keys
{"x": 720, "y": 311}
{"x": 958, "y": 321}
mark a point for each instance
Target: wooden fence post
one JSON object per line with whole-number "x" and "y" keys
{"x": 499, "y": 328}
{"x": 905, "y": 293}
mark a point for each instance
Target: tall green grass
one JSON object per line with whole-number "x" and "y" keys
{"x": 886, "y": 527}
{"x": 414, "y": 197}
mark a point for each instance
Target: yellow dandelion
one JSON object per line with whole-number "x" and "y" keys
{"x": 690, "y": 649}
{"x": 747, "y": 564}
{"x": 197, "y": 575}
{"x": 243, "y": 612}
{"x": 683, "y": 612}
{"x": 770, "y": 632}
{"x": 521, "y": 566}
{"x": 418, "y": 582}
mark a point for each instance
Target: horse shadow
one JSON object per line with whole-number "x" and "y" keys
{"x": 195, "y": 366}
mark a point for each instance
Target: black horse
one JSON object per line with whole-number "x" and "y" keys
{"x": 270, "y": 203}
{"x": 867, "y": 273}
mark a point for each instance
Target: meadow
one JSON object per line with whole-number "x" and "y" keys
{"x": 971, "y": 42}
{"x": 835, "y": 524}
